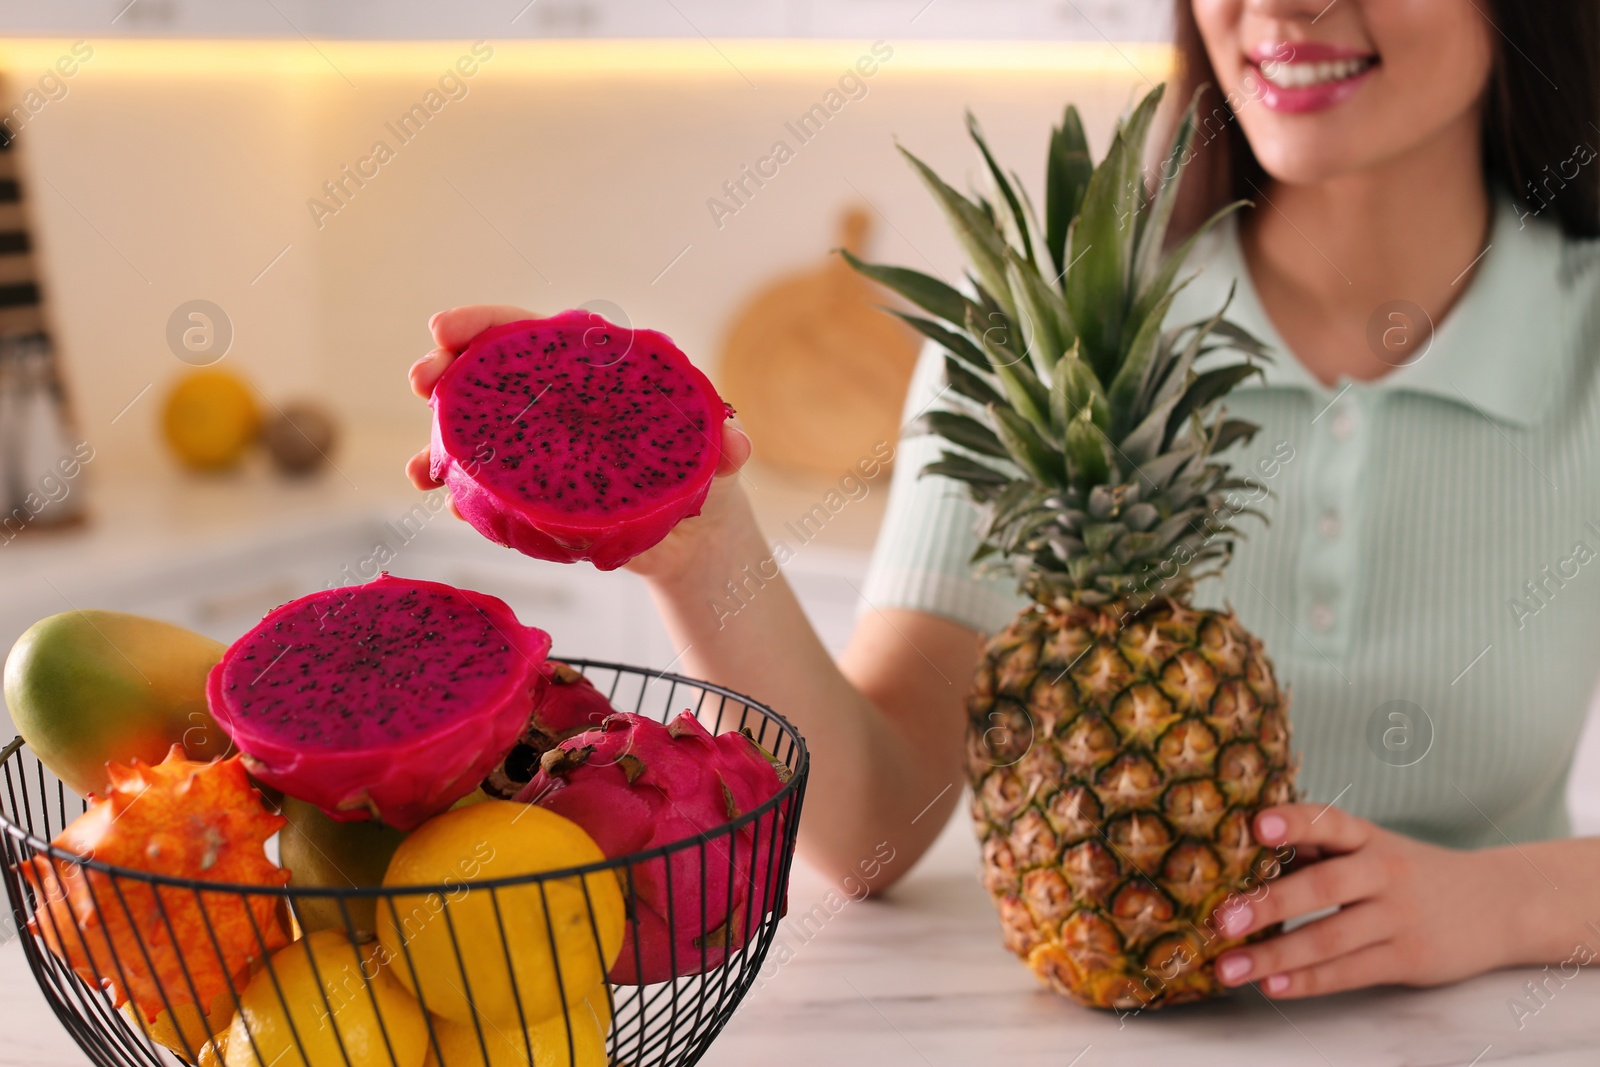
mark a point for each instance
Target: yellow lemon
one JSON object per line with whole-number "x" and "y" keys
{"x": 572, "y": 924}
{"x": 477, "y": 796}
{"x": 543, "y": 1043}
{"x": 210, "y": 419}
{"x": 338, "y": 1008}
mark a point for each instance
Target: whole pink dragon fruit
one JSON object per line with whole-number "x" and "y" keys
{"x": 565, "y": 703}
{"x": 388, "y": 701}
{"x": 637, "y": 784}
{"x": 570, "y": 438}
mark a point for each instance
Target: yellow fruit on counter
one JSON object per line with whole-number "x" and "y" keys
{"x": 329, "y": 990}
{"x": 545, "y": 1044}
{"x": 210, "y": 419}
{"x": 493, "y": 840}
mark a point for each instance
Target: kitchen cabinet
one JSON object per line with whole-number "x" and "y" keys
{"x": 215, "y": 554}
{"x": 1090, "y": 20}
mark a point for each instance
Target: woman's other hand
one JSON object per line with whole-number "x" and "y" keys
{"x": 1409, "y": 913}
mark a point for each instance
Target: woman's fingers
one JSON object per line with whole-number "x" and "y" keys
{"x": 1328, "y": 884}
{"x": 426, "y": 372}
{"x": 452, "y": 329}
{"x": 417, "y": 471}
{"x": 735, "y": 448}
{"x": 1365, "y": 966}
{"x": 1315, "y": 943}
{"x": 1334, "y": 831}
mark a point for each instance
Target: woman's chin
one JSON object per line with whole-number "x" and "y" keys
{"x": 1308, "y": 157}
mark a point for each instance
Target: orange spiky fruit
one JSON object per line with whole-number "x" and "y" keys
{"x": 157, "y": 945}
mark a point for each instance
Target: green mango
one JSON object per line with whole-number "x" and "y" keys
{"x": 323, "y": 853}
{"x": 88, "y": 687}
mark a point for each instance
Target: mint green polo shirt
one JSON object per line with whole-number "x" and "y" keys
{"x": 1429, "y": 583}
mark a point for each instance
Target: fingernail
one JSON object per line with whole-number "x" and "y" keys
{"x": 1236, "y": 921}
{"x": 1278, "y": 983}
{"x": 1233, "y": 968}
{"x": 433, "y": 319}
{"x": 1271, "y": 828}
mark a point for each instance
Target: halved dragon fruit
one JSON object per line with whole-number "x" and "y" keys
{"x": 570, "y": 438}
{"x": 637, "y": 784}
{"x": 389, "y": 700}
{"x": 565, "y": 703}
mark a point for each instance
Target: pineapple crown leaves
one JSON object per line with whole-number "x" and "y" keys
{"x": 1078, "y": 421}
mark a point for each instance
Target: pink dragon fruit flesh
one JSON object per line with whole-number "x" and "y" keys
{"x": 565, "y": 703}
{"x": 569, "y": 438}
{"x": 635, "y": 784}
{"x": 388, "y": 701}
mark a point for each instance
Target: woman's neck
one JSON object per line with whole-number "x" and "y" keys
{"x": 1327, "y": 257}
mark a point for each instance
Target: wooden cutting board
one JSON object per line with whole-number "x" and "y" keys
{"x": 815, "y": 368}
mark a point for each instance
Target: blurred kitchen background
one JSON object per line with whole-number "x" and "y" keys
{"x": 225, "y": 223}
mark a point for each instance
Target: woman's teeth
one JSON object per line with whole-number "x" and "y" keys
{"x": 1290, "y": 75}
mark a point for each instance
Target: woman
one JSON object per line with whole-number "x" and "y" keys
{"x": 1426, "y": 588}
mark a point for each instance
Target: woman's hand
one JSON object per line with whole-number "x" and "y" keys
{"x": 453, "y": 330}
{"x": 1409, "y": 913}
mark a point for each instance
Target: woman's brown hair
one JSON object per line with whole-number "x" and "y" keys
{"x": 1541, "y": 116}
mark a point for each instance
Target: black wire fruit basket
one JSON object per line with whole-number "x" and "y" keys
{"x": 328, "y": 997}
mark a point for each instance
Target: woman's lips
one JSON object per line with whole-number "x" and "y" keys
{"x": 1302, "y": 76}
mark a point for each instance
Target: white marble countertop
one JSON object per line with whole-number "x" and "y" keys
{"x": 919, "y": 980}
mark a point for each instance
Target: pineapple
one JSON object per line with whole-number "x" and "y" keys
{"x": 1120, "y": 739}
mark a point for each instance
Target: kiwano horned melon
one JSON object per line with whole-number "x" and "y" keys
{"x": 570, "y": 438}
{"x": 389, "y": 700}
{"x": 182, "y": 819}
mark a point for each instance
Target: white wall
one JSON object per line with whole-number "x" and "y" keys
{"x": 174, "y": 172}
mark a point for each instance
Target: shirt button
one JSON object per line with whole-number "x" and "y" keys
{"x": 1329, "y": 526}
{"x": 1343, "y": 425}
{"x": 1321, "y": 617}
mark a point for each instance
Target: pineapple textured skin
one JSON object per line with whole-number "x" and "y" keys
{"x": 1115, "y": 765}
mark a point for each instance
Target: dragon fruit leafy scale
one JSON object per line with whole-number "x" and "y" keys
{"x": 636, "y": 784}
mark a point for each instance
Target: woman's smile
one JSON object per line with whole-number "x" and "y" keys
{"x": 1302, "y": 76}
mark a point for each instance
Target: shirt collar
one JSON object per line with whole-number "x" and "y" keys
{"x": 1499, "y": 350}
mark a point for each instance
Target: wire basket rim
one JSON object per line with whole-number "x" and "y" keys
{"x": 798, "y": 773}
